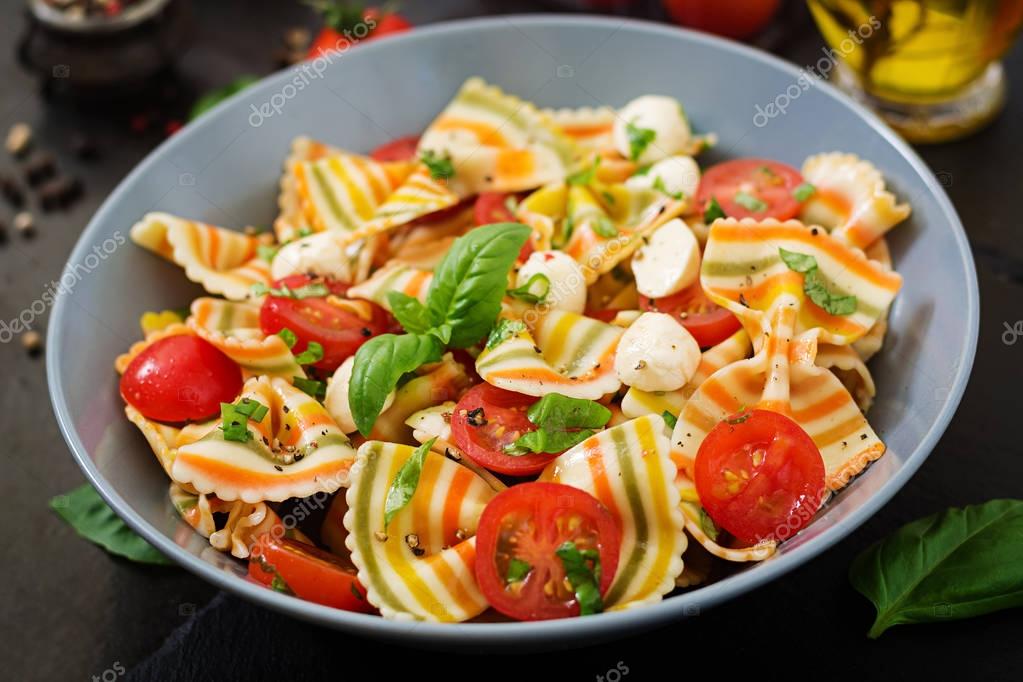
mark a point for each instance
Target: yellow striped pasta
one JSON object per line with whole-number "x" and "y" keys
{"x": 590, "y": 128}
{"x": 393, "y": 277}
{"x": 698, "y": 527}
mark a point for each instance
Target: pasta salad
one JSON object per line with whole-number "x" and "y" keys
{"x": 535, "y": 362}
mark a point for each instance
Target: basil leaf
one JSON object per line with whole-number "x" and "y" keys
{"x": 556, "y": 411}
{"x": 750, "y": 202}
{"x": 799, "y": 262}
{"x": 405, "y": 482}
{"x": 470, "y": 281}
{"x": 582, "y": 569}
{"x": 85, "y": 511}
{"x": 312, "y": 354}
{"x": 288, "y": 336}
{"x": 957, "y": 564}
{"x": 639, "y": 139}
{"x": 804, "y": 191}
{"x": 517, "y": 570}
{"x": 215, "y": 97}
{"x": 504, "y": 330}
{"x": 412, "y": 314}
{"x": 813, "y": 284}
{"x": 713, "y": 211}
{"x": 267, "y": 252}
{"x": 235, "y": 423}
{"x": 663, "y": 189}
{"x": 586, "y": 175}
{"x": 544, "y": 440}
{"x": 669, "y": 419}
{"x": 707, "y": 525}
{"x": 379, "y": 363}
{"x": 526, "y": 292}
{"x": 251, "y": 409}
{"x": 311, "y": 387}
{"x": 440, "y": 167}
{"x": 603, "y": 226}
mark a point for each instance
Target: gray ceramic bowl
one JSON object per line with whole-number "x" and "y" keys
{"x": 224, "y": 169}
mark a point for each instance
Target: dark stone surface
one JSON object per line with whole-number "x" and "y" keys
{"x": 70, "y": 611}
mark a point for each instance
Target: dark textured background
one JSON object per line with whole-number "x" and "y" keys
{"x": 69, "y": 611}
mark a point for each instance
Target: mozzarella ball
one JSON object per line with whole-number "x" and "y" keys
{"x": 657, "y": 113}
{"x": 317, "y": 254}
{"x": 674, "y": 175}
{"x": 567, "y": 289}
{"x": 336, "y": 400}
{"x": 656, "y": 354}
{"x": 669, "y": 261}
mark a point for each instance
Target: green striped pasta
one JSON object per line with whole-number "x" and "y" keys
{"x": 628, "y": 469}
{"x": 393, "y": 277}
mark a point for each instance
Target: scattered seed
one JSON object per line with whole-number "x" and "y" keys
{"x": 412, "y": 540}
{"x": 19, "y": 139}
{"x": 297, "y": 37}
{"x": 40, "y": 168}
{"x": 24, "y": 224}
{"x": 380, "y": 535}
{"x": 11, "y": 191}
{"x": 32, "y": 341}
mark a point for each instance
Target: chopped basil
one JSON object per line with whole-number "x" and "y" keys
{"x": 277, "y": 584}
{"x": 750, "y": 202}
{"x": 669, "y": 419}
{"x": 504, "y": 330}
{"x": 562, "y": 422}
{"x": 267, "y": 251}
{"x": 713, "y": 211}
{"x": 235, "y": 418}
{"x": 405, "y": 482}
{"x": 584, "y": 176}
{"x": 804, "y": 191}
{"x": 603, "y": 226}
{"x": 582, "y": 570}
{"x": 517, "y": 570}
{"x": 534, "y": 291}
{"x": 639, "y": 139}
{"x": 252, "y": 409}
{"x": 304, "y": 232}
{"x": 288, "y": 336}
{"x": 660, "y": 187}
{"x": 813, "y": 284}
{"x": 707, "y": 525}
{"x": 312, "y": 354}
{"x": 739, "y": 418}
{"x": 440, "y": 167}
{"x": 311, "y": 387}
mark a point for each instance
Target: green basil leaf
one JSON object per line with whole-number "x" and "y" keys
{"x": 582, "y": 569}
{"x": 603, "y": 226}
{"x": 799, "y": 262}
{"x": 804, "y": 191}
{"x": 85, "y": 511}
{"x": 707, "y": 525}
{"x": 957, "y": 564}
{"x": 586, "y": 175}
{"x": 813, "y": 284}
{"x": 215, "y": 97}
{"x": 267, "y": 252}
{"x": 312, "y": 354}
{"x": 517, "y": 570}
{"x": 405, "y": 482}
{"x": 556, "y": 411}
{"x": 504, "y": 330}
{"x": 311, "y": 387}
{"x": 412, "y": 314}
{"x": 534, "y": 291}
{"x": 470, "y": 281}
{"x": 750, "y": 202}
{"x": 713, "y": 211}
{"x": 663, "y": 189}
{"x": 669, "y": 419}
{"x": 639, "y": 139}
{"x": 234, "y": 423}
{"x": 546, "y": 440}
{"x": 440, "y": 167}
{"x": 379, "y": 363}
{"x": 288, "y": 336}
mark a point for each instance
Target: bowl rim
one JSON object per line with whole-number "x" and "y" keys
{"x": 544, "y": 634}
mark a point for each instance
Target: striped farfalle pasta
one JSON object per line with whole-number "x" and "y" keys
{"x": 434, "y": 423}
{"x": 851, "y": 370}
{"x": 393, "y": 277}
{"x": 702, "y": 529}
{"x": 636, "y": 403}
{"x": 850, "y": 199}
{"x": 590, "y": 128}
{"x": 162, "y": 438}
{"x": 224, "y": 262}
{"x": 628, "y": 469}
{"x": 782, "y": 377}
{"x": 420, "y": 195}
{"x": 566, "y": 353}
{"x": 234, "y": 328}
{"x": 420, "y": 566}
{"x": 194, "y": 509}
{"x": 743, "y": 271}
{"x": 497, "y": 142}
{"x": 296, "y": 450}
{"x": 324, "y": 188}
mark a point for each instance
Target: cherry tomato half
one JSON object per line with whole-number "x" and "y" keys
{"x": 751, "y": 188}
{"x": 330, "y": 38}
{"x": 338, "y": 330}
{"x": 180, "y": 378}
{"x": 731, "y": 19}
{"x": 488, "y": 418}
{"x": 401, "y": 149}
{"x": 307, "y": 572}
{"x": 520, "y": 530}
{"x": 492, "y": 207}
{"x": 759, "y": 476}
{"x": 709, "y": 323}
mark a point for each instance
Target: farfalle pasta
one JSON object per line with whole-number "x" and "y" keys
{"x": 535, "y": 363}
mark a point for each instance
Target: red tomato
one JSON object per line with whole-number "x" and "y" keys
{"x": 528, "y": 522}
{"x": 723, "y": 17}
{"x": 401, "y": 149}
{"x": 492, "y": 207}
{"x": 341, "y": 38}
{"x": 759, "y": 476}
{"x": 608, "y": 315}
{"x": 709, "y": 323}
{"x": 751, "y": 188}
{"x": 180, "y": 378}
{"x": 486, "y": 419}
{"x": 338, "y": 330}
{"x": 308, "y": 573}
